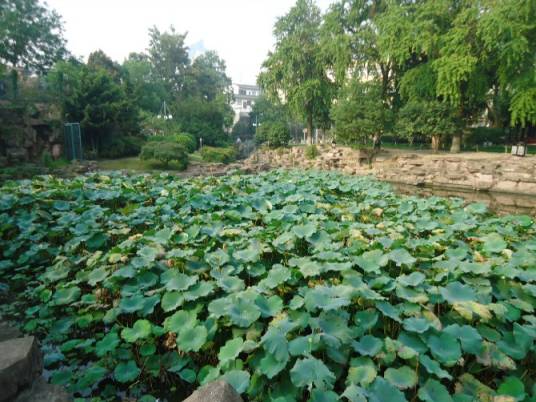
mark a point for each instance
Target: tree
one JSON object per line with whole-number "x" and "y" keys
{"x": 427, "y": 119}
{"x": 274, "y": 133}
{"x": 296, "y": 71}
{"x": 31, "y": 35}
{"x": 149, "y": 92}
{"x": 169, "y": 58}
{"x": 360, "y": 114}
{"x": 208, "y": 77}
{"x": 92, "y": 97}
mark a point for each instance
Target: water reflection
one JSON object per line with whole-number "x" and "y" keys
{"x": 501, "y": 203}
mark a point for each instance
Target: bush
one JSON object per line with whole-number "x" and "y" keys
{"x": 311, "y": 152}
{"x": 481, "y": 135}
{"x": 165, "y": 152}
{"x": 186, "y": 140}
{"x": 275, "y": 134}
{"x": 118, "y": 147}
{"x": 218, "y": 155}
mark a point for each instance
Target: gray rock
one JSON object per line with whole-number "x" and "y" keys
{"x": 7, "y": 332}
{"x": 21, "y": 363}
{"x": 41, "y": 391}
{"x": 216, "y": 391}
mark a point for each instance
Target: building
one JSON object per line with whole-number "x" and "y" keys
{"x": 244, "y": 97}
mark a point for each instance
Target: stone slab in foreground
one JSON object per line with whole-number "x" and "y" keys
{"x": 216, "y": 391}
{"x": 21, "y": 363}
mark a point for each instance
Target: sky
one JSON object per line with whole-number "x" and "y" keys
{"x": 239, "y": 30}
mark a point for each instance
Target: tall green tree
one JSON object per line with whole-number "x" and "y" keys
{"x": 169, "y": 57}
{"x": 296, "y": 70}
{"x": 31, "y": 35}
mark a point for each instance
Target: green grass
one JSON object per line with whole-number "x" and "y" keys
{"x": 136, "y": 164}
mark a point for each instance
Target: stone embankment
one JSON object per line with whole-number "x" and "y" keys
{"x": 21, "y": 364}
{"x": 468, "y": 171}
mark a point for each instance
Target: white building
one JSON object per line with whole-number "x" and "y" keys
{"x": 244, "y": 97}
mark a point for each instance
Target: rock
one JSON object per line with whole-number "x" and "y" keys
{"x": 21, "y": 363}
{"x": 43, "y": 392}
{"x": 8, "y": 332}
{"x": 216, "y": 391}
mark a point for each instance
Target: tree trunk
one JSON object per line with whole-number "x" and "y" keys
{"x": 456, "y": 146}
{"x": 435, "y": 142}
{"x": 310, "y": 128}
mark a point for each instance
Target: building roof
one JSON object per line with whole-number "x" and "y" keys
{"x": 247, "y": 86}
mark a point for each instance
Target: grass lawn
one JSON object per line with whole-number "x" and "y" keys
{"x": 135, "y": 163}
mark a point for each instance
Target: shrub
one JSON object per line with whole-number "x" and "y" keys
{"x": 311, "y": 152}
{"x": 275, "y": 134}
{"x": 186, "y": 140}
{"x": 165, "y": 152}
{"x": 481, "y": 135}
{"x": 218, "y": 155}
{"x": 118, "y": 147}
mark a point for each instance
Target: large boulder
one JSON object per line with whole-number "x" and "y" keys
{"x": 8, "y": 332}
{"x": 21, "y": 363}
{"x": 41, "y": 391}
{"x": 216, "y": 391}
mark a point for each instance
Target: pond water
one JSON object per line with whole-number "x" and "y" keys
{"x": 501, "y": 203}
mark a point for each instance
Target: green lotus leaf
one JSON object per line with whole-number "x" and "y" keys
{"x": 401, "y": 256}
{"x": 243, "y": 313}
{"x": 67, "y": 295}
{"x": 92, "y": 376}
{"x": 180, "y": 320}
{"x": 238, "y": 379}
{"x": 107, "y": 344}
{"x": 382, "y": 391}
{"x": 126, "y": 372}
{"x": 434, "y": 391}
{"x": 310, "y": 268}
{"x": 355, "y": 394}
{"x": 97, "y": 275}
{"x": 174, "y": 280}
{"x": 276, "y": 276}
{"x": 469, "y": 337}
{"x": 230, "y": 350}
{"x": 217, "y": 258}
{"x": 250, "y": 254}
{"x": 414, "y": 324}
{"x": 200, "y": 289}
{"x": 191, "y": 339}
{"x": 311, "y": 371}
{"x": 368, "y": 345}
{"x": 271, "y": 367}
{"x": 403, "y": 378}
{"x": 433, "y": 367}
{"x": 132, "y": 304}
{"x": 445, "y": 348}
{"x": 148, "y": 253}
{"x": 148, "y": 349}
{"x": 140, "y": 330}
{"x": 411, "y": 280}
{"x": 276, "y": 343}
{"x": 171, "y": 301}
{"x": 456, "y": 292}
{"x": 269, "y": 307}
{"x": 318, "y": 395}
{"x": 493, "y": 243}
{"x": 304, "y": 231}
{"x": 372, "y": 261}
{"x": 514, "y": 387}
{"x": 389, "y": 310}
{"x": 362, "y": 371}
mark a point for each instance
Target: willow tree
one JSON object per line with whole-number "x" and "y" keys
{"x": 295, "y": 72}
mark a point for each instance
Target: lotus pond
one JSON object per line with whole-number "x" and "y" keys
{"x": 292, "y": 286}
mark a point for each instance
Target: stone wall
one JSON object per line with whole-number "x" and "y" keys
{"x": 27, "y": 130}
{"x": 468, "y": 171}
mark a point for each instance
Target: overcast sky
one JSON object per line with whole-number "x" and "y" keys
{"x": 239, "y": 30}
